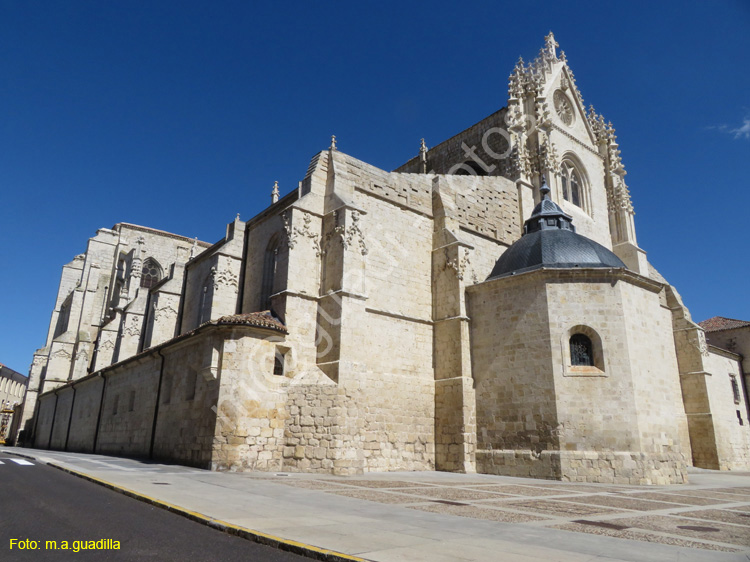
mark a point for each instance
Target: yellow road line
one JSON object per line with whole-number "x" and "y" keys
{"x": 249, "y": 534}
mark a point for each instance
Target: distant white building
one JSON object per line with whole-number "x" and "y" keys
{"x": 12, "y": 393}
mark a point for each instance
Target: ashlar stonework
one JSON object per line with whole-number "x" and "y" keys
{"x": 366, "y": 321}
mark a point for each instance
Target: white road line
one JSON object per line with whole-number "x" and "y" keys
{"x": 1, "y": 462}
{"x": 22, "y": 462}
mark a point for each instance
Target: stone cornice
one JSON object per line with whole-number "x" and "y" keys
{"x": 574, "y": 275}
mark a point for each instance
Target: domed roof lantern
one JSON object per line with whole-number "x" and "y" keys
{"x": 547, "y": 214}
{"x": 550, "y": 241}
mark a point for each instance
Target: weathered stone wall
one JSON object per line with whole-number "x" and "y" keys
{"x": 83, "y": 423}
{"x": 537, "y": 415}
{"x": 728, "y": 415}
{"x": 185, "y": 418}
{"x": 512, "y": 367}
{"x": 662, "y": 423}
{"x": 128, "y": 408}
{"x": 737, "y": 341}
{"x": 473, "y": 150}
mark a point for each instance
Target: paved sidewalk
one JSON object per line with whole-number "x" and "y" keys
{"x": 437, "y": 516}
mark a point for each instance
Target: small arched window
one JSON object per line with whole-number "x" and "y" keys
{"x": 581, "y": 351}
{"x": 150, "y": 273}
{"x": 572, "y": 185}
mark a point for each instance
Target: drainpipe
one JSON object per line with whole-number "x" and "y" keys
{"x": 52, "y": 425}
{"x": 156, "y": 406}
{"x": 70, "y": 417}
{"x": 99, "y": 416}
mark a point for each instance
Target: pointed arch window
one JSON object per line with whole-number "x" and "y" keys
{"x": 150, "y": 273}
{"x": 270, "y": 265}
{"x": 572, "y": 183}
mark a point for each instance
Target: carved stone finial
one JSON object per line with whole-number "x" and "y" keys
{"x": 274, "y": 193}
{"x": 333, "y": 143}
{"x": 194, "y": 248}
{"x": 544, "y": 189}
{"x": 551, "y": 45}
{"x": 423, "y": 158}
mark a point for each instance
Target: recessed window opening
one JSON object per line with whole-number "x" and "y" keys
{"x": 131, "y": 402}
{"x": 581, "y": 351}
{"x": 150, "y": 273}
{"x": 735, "y": 389}
{"x": 278, "y": 363}
{"x": 270, "y": 265}
{"x": 739, "y": 418}
{"x": 572, "y": 185}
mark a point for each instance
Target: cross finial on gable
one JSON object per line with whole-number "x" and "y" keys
{"x": 333, "y": 143}
{"x": 551, "y": 45}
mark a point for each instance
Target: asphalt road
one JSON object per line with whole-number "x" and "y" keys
{"x": 42, "y": 504}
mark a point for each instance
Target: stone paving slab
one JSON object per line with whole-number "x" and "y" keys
{"x": 556, "y": 507}
{"x": 622, "y": 502}
{"x": 478, "y": 513}
{"x": 523, "y": 490}
{"x": 446, "y": 516}
{"x": 687, "y": 498}
{"x": 714, "y": 531}
{"x": 722, "y": 515}
{"x": 378, "y": 496}
{"x": 635, "y": 535}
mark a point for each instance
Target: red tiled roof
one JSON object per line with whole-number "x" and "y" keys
{"x": 260, "y": 319}
{"x": 720, "y": 323}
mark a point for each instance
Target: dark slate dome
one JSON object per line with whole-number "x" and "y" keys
{"x": 550, "y": 241}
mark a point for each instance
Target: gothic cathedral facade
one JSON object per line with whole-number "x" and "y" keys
{"x": 485, "y": 307}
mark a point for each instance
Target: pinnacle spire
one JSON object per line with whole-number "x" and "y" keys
{"x": 333, "y": 143}
{"x": 544, "y": 190}
{"x": 551, "y": 45}
{"x": 275, "y": 192}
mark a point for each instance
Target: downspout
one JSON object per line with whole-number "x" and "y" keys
{"x": 52, "y": 425}
{"x": 99, "y": 416}
{"x": 70, "y": 417}
{"x": 156, "y": 406}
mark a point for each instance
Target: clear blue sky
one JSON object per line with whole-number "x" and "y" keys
{"x": 178, "y": 115}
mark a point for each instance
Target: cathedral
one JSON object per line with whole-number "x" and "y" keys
{"x": 485, "y": 307}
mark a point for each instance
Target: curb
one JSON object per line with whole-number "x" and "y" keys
{"x": 273, "y": 541}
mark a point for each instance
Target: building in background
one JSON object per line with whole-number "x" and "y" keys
{"x": 12, "y": 394}
{"x": 484, "y": 307}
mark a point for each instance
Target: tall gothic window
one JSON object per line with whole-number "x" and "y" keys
{"x": 270, "y": 263}
{"x": 572, "y": 186}
{"x": 581, "y": 351}
{"x": 150, "y": 273}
